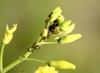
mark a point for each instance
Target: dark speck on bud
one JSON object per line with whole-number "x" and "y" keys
{"x": 30, "y": 50}
{"x": 53, "y": 27}
{"x": 50, "y": 14}
{"x": 59, "y": 40}
{"x": 35, "y": 46}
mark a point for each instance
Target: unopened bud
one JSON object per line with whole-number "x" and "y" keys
{"x": 64, "y": 25}
{"x": 62, "y": 64}
{"x": 55, "y": 14}
{"x": 69, "y": 38}
{"x": 70, "y": 28}
{"x": 9, "y": 34}
{"x": 44, "y": 32}
{"x": 60, "y": 19}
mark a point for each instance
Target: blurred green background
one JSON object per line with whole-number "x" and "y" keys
{"x": 30, "y": 16}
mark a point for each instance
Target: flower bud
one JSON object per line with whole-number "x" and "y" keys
{"x": 70, "y": 28}
{"x": 9, "y": 34}
{"x": 62, "y": 64}
{"x": 44, "y": 32}
{"x": 60, "y": 19}
{"x": 55, "y": 14}
{"x": 65, "y": 24}
{"x": 69, "y": 38}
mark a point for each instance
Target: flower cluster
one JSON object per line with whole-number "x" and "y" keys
{"x": 59, "y": 28}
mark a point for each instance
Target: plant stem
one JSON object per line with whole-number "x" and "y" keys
{"x": 36, "y": 60}
{"x": 49, "y": 42}
{"x": 21, "y": 59}
{"x": 1, "y": 57}
{"x": 26, "y": 55}
{"x": 15, "y": 63}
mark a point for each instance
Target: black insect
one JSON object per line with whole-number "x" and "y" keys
{"x": 53, "y": 27}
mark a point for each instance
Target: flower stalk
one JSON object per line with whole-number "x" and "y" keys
{"x": 56, "y": 26}
{"x": 6, "y": 40}
{"x": 1, "y": 57}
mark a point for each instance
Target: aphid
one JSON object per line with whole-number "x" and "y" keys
{"x": 35, "y": 46}
{"x": 53, "y": 26}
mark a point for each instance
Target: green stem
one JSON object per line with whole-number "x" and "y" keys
{"x": 26, "y": 55}
{"x": 49, "y": 43}
{"x": 15, "y": 63}
{"x": 36, "y": 60}
{"x": 21, "y": 59}
{"x": 1, "y": 57}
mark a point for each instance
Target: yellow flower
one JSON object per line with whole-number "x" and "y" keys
{"x": 46, "y": 69}
{"x": 9, "y": 33}
{"x": 62, "y": 64}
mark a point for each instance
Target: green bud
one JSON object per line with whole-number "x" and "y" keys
{"x": 55, "y": 14}
{"x": 70, "y": 28}
{"x": 67, "y": 26}
{"x": 60, "y": 19}
{"x": 62, "y": 64}
{"x": 44, "y": 32}
{"x": 64, "y": 25}
{"x": 69, "y": 38}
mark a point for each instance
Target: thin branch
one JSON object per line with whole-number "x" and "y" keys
{"x": 1, "y": 57}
